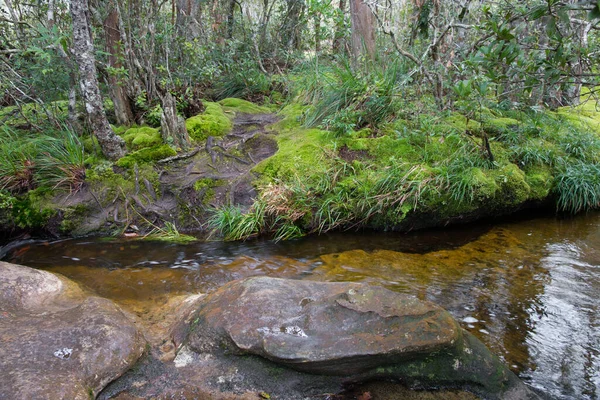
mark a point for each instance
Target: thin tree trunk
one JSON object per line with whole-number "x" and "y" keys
{"x": 363, "y": 30}
{"x": 117, "y": 90}
{"x": 112, "y": 145}
{"x": 317, "y": 19}
{"x": 172, "y": 125}
{"x": 230, "y": 19}
{"x": 338, "y": 36}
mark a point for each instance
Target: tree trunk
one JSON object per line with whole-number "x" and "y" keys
{"x": 338, "y": 36}
{"x": 291, "y": 25}
{"x": 363, "y": 30}
{"x": 188, "y": 19}
{"x": 230, "y": 19}
{"x": 317, "y": 19}
{"x": 172, "y": 125}
{"x": 117, "y": 90}
{"x": 112, "y": 145}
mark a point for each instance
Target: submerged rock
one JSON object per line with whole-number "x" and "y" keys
{"x": 350, "y": 331}
{"x": 57, "y": 341}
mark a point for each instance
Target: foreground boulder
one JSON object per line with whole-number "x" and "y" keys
{"x": 350, "y": 331}
{"x": 58, "y": 342}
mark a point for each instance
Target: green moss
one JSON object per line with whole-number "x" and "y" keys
{"x": 142, "y": 137}
{"x": 34, "y": 209}
{"x": 146, "y": 155}
{"x": 291, "y": 117}
{"x": 459, "y": 121}
{"x": 72, "y": 217}
{"x": 500, "y": 125}
{"x": 514, "y": 189}
{"x": 213, "y": 122}
{"x": 206, "y": 186}
{"x": 119, "y": 130}
{"x": 540, "y": 180}
{"x": 300, "y": 154}
{"x": 91, "y": 145}
{"x": 584, "y": 116}
{"x": 242, "y": 106}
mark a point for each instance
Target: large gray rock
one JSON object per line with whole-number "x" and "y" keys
{"x": 57, "y": 341}
{"x": 349, "y": 330}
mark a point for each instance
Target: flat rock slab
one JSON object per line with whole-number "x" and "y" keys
{"x": 58, "y": 342}
{"x": 348, "y": 331}
{"x": 326, "y": 328}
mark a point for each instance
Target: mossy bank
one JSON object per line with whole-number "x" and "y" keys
{"x": 270, "y": 175}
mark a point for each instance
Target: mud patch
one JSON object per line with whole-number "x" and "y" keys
{"x": 349, "y": 155}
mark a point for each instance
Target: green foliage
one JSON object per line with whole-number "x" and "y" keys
{"x": 6, "y": 200}
{"x": 247, "y": 83}
{"x": 212, "y": 122}
{"x": 233, "y": 224}
{"x": 153, "y": 115}
{"x": 578, "y": 187}
{"x": 344, "y": 99}
{"x": 51, "y": 160}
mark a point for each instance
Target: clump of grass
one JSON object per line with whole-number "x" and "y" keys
{"x": 62, "y": 162}
{"x": 233, "y": 224}
{"x": 30, "y": 161}
{"x": 580, "y": 144}
{"x": 344, "y": 99}
{"x": 578, "y": 187}
{"x": 169, "y": 233}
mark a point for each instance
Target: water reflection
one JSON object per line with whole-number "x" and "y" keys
{"x": 529, "y": 289}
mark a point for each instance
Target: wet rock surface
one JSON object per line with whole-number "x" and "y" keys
{"x": 57, "y": 341}
{"x": 351, "y": 332}
{"x": 325, "y": 328}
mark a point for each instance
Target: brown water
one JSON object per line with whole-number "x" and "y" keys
{"x": 530, "y": 289}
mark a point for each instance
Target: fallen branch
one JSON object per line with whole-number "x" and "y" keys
{"x": 179, "y": 157}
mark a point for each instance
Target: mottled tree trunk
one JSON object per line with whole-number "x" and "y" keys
{"x": 172, "y": 125}
{"x": 112, "y": 146}
{"x": 363, "y": 30}
{"x": 291, "y": 29}
{"x": 188, "y": 19}
{"x": 117, "y": 90}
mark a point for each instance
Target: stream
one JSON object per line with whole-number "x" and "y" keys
{"x": 529, "y": 288}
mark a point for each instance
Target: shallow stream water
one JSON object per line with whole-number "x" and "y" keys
{"x": 529, "y": 289}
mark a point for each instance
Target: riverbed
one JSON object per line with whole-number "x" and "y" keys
{"x": 528, "y": 288}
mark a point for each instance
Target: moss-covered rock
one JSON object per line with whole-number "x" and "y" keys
{"x": 146, "y": 155}
{"x": 212, "y": 122}
{"x": 540, "y": 180}
{"x": 514, "y": 189}
{"x": 142, "y": 137}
